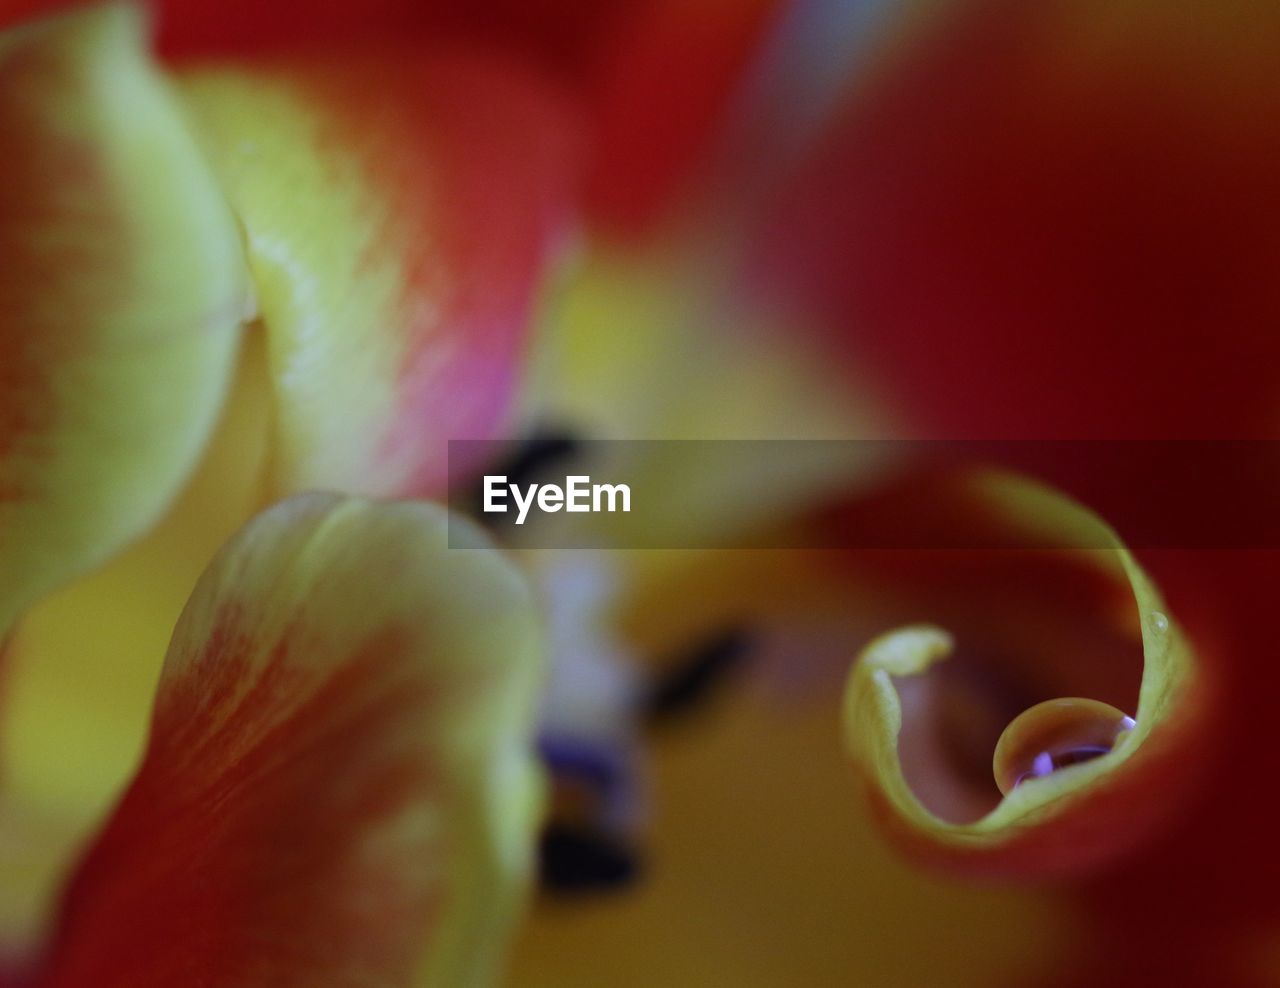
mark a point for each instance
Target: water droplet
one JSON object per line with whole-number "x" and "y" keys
{"x": 1055, "y": 734}
{"x": 1159, "y": 621}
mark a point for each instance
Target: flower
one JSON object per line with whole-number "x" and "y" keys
{"x": 1001, "y": 222}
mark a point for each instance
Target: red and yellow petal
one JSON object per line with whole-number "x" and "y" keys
{"x": 123, "y": 285}
{"x": 338, "y": 787}
{"x": 400, "y": 216}
{"x": 657, "y": 78}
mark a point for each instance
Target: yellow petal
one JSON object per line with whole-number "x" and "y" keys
{"x": 122, "y": 285}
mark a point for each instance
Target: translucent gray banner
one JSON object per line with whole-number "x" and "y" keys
{"x": 556, "y": 491}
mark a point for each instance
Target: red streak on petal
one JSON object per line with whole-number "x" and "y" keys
{"x": 505, "y": 157}
{"x": 259, "y": 842}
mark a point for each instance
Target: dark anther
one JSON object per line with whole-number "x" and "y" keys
{"x": 534, "y": 455}
{"x": 525, "y": 462}
{"x": 582, "y": 860}
{"x": 690, "y": 680}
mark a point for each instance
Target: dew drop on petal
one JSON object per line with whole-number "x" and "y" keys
{"x": 1055, "y": 734}
{"x": 1159, "y": 621}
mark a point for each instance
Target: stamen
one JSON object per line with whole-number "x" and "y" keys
{"x": 690, "y": 681}
{"x": 581, "y": 860}
{"x": 528, "y": 459}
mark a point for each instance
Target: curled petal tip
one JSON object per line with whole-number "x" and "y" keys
{"x": 1081, "y": 780}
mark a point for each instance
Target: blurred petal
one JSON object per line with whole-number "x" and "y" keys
{"x": 656, "y": 78}
{"x": 34, "y": 857}
{"x": 541, "y": 27}
{"x": 338, "y": 786}
{"x": 80, "y": 678}
{"x": 123, "y": 284}
{"x": 560, "y": 34}
{"x": 662, "y": 92}
{"x": 707, "y": 369}
{"x": 1073, "y": 201}
{"x": 1214, "y": 858}
{"x": 1075, "y": 817}
{"x": 400, "y": 215}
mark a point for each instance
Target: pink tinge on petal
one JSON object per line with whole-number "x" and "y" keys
{"x": 504, "y": 163}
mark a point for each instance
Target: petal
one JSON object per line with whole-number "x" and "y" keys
{"x": 399, "y": 216}
{"x": 122, "y": 285}
{"x": 561, "y": 33}
{"x": 1065, "y": 200}
{"x": 1225, "y": 875}
{"x": 657, "y": 78}
{"x": 664, "y": 87}
{"x": 80, "y": 678}
{"x": 648, "y": 345}
{"x": 1078, "y": 817}
{"x": 338, "y": 787}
